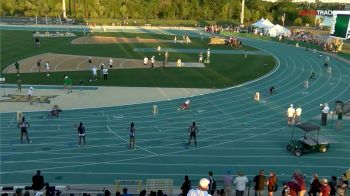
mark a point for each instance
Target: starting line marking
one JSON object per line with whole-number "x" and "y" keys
{"x": 200, "y": 111}
{"x": 118, "y": 117}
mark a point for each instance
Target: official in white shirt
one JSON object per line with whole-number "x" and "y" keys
{"x": 290, "y": 114}
{"x": 202, "y": 189}
{"x": 325, "y": 111}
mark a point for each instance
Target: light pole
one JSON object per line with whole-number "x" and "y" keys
{"x": 64, "y": 15}
{"x": 242, "y": 13}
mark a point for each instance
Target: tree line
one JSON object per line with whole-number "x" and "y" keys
{"x": 217, "y": 10}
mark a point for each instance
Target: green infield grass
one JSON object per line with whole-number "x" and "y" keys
{"x": 223, "y": 71}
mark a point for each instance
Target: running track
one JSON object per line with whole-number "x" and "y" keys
{"x": 236, "y": 133}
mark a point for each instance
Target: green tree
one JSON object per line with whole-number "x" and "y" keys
{"x": 298, "y": 21}
{"x": 124, "y": 11}
{"x": 10, "y": 6}
{"x": 256, "y": 15}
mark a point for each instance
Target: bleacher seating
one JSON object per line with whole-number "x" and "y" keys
{"x": 166, "y": 185}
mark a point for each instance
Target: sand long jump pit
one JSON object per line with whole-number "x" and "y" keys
{"x": 67, "y": 62}
{"x": 114, "y": 40}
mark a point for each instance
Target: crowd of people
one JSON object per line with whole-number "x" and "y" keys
{"x": 297, "y": 186}
{"x": 233, "y": 42}
{"x": 238, "y": 185}
{"x": 310, "y": 38}
{"x": 213, "y": 29}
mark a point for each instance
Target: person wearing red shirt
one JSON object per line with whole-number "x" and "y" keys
{"x": 325, "y": 188}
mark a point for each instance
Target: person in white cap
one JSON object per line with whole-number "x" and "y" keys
{"x": 202, "y": 189}
{"x": 290, "y": 114}
{"x": 325, "y": 111}
{"x": 30, "y": 95}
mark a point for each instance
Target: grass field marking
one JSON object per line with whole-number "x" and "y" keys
{"x": 114, "y": 133}
{"x": 44, "y": 61}
{"x": 37, "y": 56}
{"x": 162, "y": 92}
{"x": 78, "y": 65}
{"x": 219, "y": 90}
{"x": 70, "y": 57}
{"x": 185, "y": 90}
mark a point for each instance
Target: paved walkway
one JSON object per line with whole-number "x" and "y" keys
{"x": 92, "y": 97}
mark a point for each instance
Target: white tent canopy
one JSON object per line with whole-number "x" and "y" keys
{"x": 277, "y": 30}
{"x": 266, "y": 24}
{"x": 262, "y": 23}
{"x": 258, "y": 23}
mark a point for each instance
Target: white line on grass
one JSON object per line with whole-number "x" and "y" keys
{"x": 162, "y": 92}
{"x": 63, "y": 61}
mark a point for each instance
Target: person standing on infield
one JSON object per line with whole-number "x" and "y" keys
{"x": 19, "y": 84}
{"x": 132, "y": 135}
{"x": 81, "y": 133}
{"x": 24, "y": 125}
{"x": 17, "y": 67}
{"x": 38, "y": 64}
{"x": 193, "y": 130}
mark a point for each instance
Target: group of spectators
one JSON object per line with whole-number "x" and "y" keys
{"x": 308, "y": 37}
{"x": 233, "y": 42}
{"x": 39, "y": 20}
{"x": 295, "y": 187}
{"x": 213, "y": 29}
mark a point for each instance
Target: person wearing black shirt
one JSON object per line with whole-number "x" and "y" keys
{"x": 81, "y": 133}
{"x": 132, "y": 135}
{"x": 24, "y": 125}
{"x": 193, "y": 130}
{"x": 38, "y": 181}
{"x": 260, "y": 181}
{"x": 186, "y": 186}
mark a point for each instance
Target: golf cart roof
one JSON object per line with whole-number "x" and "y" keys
{"x": 307, "y": 127}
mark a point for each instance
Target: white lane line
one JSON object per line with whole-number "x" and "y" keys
{"x": 105, "y": 116}
{"x": 199, "y": 165}
{"x": 114, "y": 133}
{"x": 71, "y": 157}
{"x": 74, "y": 166}
{"x": 164, "y": 164}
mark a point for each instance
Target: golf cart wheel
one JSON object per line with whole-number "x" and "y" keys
{"x": 323, "y": 149}
{"x": 289, "y": 147}
{"x": 297, "y": 152}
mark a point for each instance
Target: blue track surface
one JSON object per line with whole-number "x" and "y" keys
{"x": 236, "y": 133}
